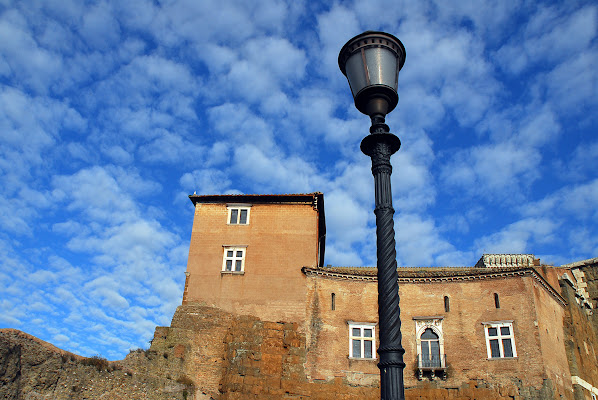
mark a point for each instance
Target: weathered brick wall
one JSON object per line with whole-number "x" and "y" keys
{"x": 243, "y": 357}
{"x": 541, "y": 360}
{"x": 551, "y": 337}
{"x": 266, "y": 360}
{"x": 280, "y": 239}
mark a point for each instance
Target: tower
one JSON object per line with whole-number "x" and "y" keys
{"x": 247, "y": 251}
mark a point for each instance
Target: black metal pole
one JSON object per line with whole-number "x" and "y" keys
{"x": 380, "y": 145}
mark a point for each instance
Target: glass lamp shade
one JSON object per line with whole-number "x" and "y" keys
{"x": 371, "y": 62}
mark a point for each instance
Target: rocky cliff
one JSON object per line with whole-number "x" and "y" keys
{"x": 31, "y": 369}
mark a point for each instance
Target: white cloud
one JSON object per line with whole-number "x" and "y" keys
{"x": 315, "y": 112}
{"x": 98, "y": 193}
{"x": 519, "y": 237}
{"x": 549, "y": 37}
{"x": 118, "y": 155}
{"x": 346, "y": 220}
{"x": 256, "y": 72}
{"x": 206, "y": 181}
{"x": 335, "y": 27}
{"x": 579, "y": 165}
{"x": 10, "y": 315}
{"x": 417, "y": 108}
{"x": 42, "y": 277}
{"x": 500, "y": 171}
{"x": 412, "y": 182}
{"x": 41, "y": 119}
{"x": 273, "y": 172}
{"x": 61, "y": 338}
{"x": 340, "y": 255}
{"x": 418, "y": 241}
{"x": 236, "y": 96}
{"x": 572, "y": 84}
{"x": 99, "y": 27}
{"x": 226, "y": 21}
{"x": 129, "y": 243}
{"x": 172, "y": 148}
{"x": 33, "y": 66}
{"x": 239, "y": 123}
{"x": 538, "y": 128}
{"x": 577, "y": 201}
{"x": 110, "y": 298}
{"x": 277, "y": 57}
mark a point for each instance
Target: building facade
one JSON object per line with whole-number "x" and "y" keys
{"x": 506, "y": 328}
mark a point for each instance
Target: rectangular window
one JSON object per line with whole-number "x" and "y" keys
{"x": 238, "y": 215}
{"x": 500, "y": 340}
{"x": 234, "y": 259}
{"x": 362, "y": 340}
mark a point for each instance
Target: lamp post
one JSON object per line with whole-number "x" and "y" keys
{"x": 371, "y": 62}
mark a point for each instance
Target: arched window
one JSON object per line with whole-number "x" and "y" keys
{"x": 447, "y": 306}
{"x": 333, "y": 302}
{"x": 496, "y": 300}
{"x": 430, "y": 349}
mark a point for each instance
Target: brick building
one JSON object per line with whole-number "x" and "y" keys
{"x": 506, "y": 328}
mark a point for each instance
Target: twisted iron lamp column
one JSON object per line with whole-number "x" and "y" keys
{"x": 380, "y": 145}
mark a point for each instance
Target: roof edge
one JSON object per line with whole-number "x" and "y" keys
{"x": 254, "y": 198}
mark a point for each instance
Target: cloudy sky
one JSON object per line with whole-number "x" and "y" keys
{"x": 113, "y": 112}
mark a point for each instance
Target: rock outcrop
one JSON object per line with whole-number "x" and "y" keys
{"x": 31, "y": 369}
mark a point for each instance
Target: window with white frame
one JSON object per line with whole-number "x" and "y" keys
{"x": 362, "y": 340}
{"x": 234, "y": 259}
{"x": 238, "y": 215}
{"x": 500, "y": 340}
{"x": 429, "y": 341}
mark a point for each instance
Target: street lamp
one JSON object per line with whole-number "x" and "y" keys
{"x": 371, "y": 62}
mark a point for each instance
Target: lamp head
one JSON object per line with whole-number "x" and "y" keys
{"x": 371, "y": 62}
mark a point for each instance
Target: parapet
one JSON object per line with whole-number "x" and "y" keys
{"x": 507, "y": 260}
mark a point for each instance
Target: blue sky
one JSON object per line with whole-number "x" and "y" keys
{"x": 113, "y": 112}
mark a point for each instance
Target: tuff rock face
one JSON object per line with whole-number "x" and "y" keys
{"x": 32, "y": 369}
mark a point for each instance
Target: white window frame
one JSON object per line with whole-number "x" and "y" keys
{"x": 435, "y": 324}
{"x": 362, "y": 338}
{"x": 500, "y": 337}
{"x": 235, "y": 257}
{"x": 239, "y": 208}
